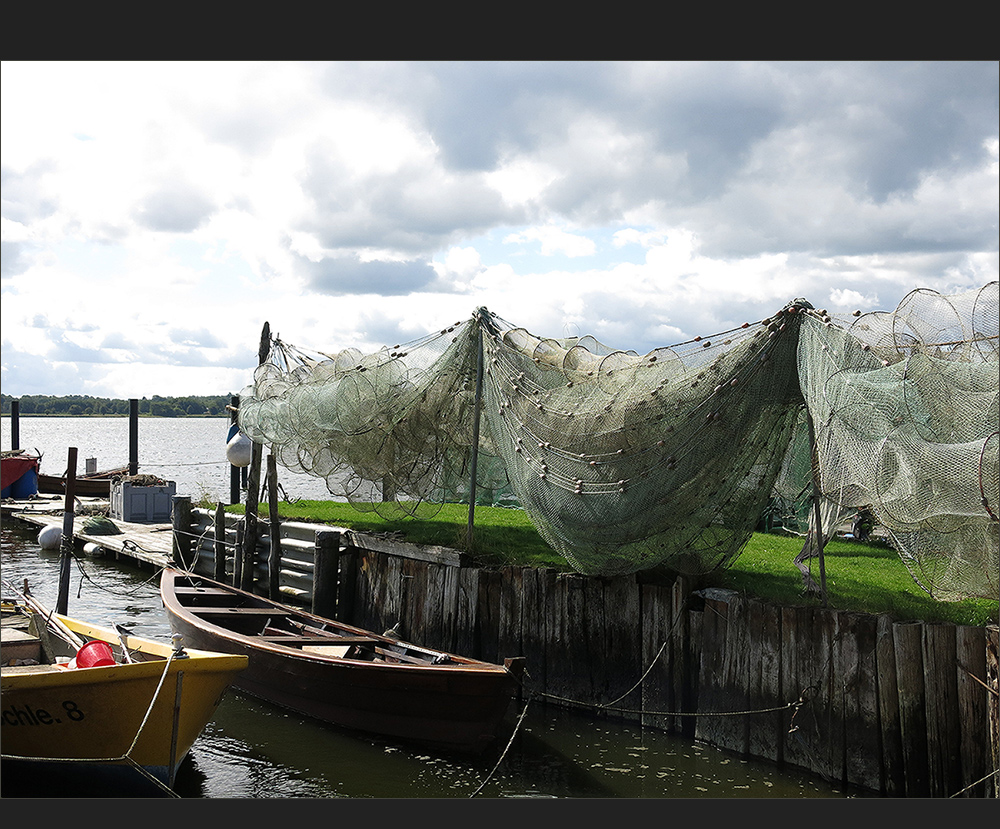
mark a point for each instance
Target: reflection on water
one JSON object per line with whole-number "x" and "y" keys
{"x": 254, "y": 750}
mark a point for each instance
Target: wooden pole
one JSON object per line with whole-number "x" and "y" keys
{"x": 15, "y": 426}
{"x": 238, "y": 557}
{"x": 62, "y": 603}
{"x": 133, "y": 437}
{"x": 820, "y": 536}
{"x": 475, "y": 427}
{"x": 325, "y": 567}
{"x": 234, "y": 471}
{"x": 249, "y": 549}
{"x": 274, "y": 553}
{"x": 220, "y": 542}
{"x": 181, "y": 520}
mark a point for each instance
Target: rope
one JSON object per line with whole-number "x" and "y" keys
{"x": 510, "y": 742}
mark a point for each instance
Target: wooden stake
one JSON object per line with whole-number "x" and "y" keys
{"x": 274, "y": 553}
{"x": 820, "y": 536}
{"x": 249, "y": 548}
{"x": 475, "y": 427}
{"x": 62, "y": 603}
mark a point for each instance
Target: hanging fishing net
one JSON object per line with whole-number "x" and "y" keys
{"x": 905, "y": 409}
{"x": 625, "y": 462}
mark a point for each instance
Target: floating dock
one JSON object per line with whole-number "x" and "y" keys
{"x": 151, "y": 543}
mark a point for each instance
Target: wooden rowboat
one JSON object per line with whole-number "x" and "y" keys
{"x": 341, "y": 674}
{"x": 128, "y": 717}
{"x": 95, "y": 485}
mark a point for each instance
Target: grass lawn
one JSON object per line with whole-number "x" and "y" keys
{"x": 864, "y": 577}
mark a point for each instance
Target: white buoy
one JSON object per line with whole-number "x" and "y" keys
{"x": 92, "y": 548}
{"x": 239, "y": 450}
{"x": 50, "y": 537}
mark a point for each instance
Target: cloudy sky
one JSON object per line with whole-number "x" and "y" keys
{"x": 155, "y": 215}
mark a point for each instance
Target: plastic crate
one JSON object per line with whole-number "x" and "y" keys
{"x": 142, "y": 504}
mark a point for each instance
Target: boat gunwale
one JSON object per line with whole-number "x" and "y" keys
{"x": 256, "y": 642}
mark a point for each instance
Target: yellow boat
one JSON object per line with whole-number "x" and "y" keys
{"x": 80, "y": 697}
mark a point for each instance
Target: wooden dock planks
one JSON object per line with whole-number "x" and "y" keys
{"x": 150, "y": 543}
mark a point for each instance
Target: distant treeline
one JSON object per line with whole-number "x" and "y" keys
{"x": 82, "y": 405}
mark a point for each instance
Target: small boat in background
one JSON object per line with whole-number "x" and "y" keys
{"x": 82, "y": 698}
{"x": 19, "y": 474}
{"x": 94, "y": 485}
{"x": 341, "y": 674}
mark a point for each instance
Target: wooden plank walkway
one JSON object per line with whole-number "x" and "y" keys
{"x": 150, "y": 543}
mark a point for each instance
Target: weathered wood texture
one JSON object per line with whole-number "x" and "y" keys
{"x": 901, "y": 709}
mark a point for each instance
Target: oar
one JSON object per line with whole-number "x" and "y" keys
{"x": 46, "y": 614}
{"x": 123, "y": 634}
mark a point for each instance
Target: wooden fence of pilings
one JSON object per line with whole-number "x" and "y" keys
{"x": 901, "y": 709}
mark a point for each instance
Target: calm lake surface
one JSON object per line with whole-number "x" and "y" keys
{"x": 254, "y": 750}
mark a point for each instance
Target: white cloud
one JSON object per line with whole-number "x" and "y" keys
{"x": 554, "y": 240}
{"x": 353, "y": 203}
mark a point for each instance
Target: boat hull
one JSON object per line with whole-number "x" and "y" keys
{"x": 146, "y": 714}
{"x": 454, "y": 707}
{"x": 96, "y": 487}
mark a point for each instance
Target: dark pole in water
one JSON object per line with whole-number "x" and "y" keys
{"x": 249, "y": 551}
{"x": 62, "y": 602}
{"x": 133, "y": 437}
{"x": 15, "y": 426}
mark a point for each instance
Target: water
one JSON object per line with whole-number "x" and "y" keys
{"x": 189, "y": 451}
{"x": 254, "y": 750}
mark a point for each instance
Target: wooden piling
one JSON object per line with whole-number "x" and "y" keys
{"x": 908, "y": 645}
{"x": 973, "y": 707}
{"x": 15, "y": 427}
{"x": 347, "y": 576}
{"x": 892, "y": 775}
{"x": 274, "y": 550}
{"x": 326, "y": 564}
{"x": 180, "y": 517}
{"x": 66, "y": 545}
{"x": 220, "y": 543}
{"x": 133, "y": 437}
{"x": 941, "y": 701}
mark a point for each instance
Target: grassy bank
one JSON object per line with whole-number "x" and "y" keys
{"x": 864, "y": 577}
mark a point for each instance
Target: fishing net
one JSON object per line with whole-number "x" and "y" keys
{"x": 625, "y": 462}
{"x": 905, "y": 410}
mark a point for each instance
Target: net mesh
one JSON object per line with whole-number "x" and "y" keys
{"x": 625, "y": 462}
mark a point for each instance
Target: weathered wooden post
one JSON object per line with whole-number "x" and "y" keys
{"x": 220, "y": 542}
{"x": 15, "y": 426}
{"x": 133, "y": 437}
{"x": 181, "y": 522}
{"x": 480, "y": 314}
{"x": 62, "y": 602}
{"x": 248, "y": 549}
{"x": 347, "y": 578}
{"x": 326, "y": 556}
{"x": 820, "y": 536}
{"x": 234, "y": 471}
{"x": 238, "y": 556}
{"x": 274, "y": 553}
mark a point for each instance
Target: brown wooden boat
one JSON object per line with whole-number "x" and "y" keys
{"x": 341, "y": 674}
{"x": 96, "y": 485}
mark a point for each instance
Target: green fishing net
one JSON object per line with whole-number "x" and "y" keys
{"x": 625, "y": 462}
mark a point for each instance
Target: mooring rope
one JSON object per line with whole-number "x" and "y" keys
{"x": 510, "y": 742}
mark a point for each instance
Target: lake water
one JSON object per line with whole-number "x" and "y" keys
{"x": 254, "y": 750}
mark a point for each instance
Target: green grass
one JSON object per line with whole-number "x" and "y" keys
{"x": 869, "y": 578}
